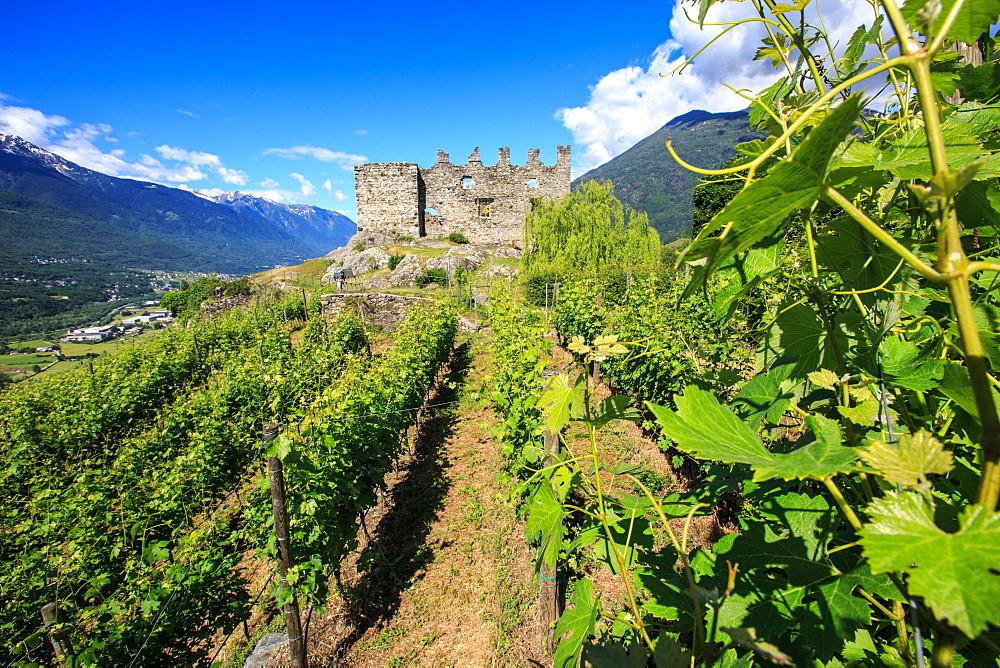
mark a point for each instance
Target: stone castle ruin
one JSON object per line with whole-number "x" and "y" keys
{"x": 486, "y": 204}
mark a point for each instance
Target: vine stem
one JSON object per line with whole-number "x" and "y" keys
{"x": 955, "y": 268}
{"x": 842, "y": 503}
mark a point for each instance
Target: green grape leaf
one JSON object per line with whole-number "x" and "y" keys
{"x": 560, "y": 401}
{"x": 847, "y": 64}
{"x": 866, "y": 413}
{"x": 908, "y": 461}
{"x": 908, "y": 157}
{"x": 906, "y": 365}
{"x": 577, "y": 621}
{"x": 764, "y": 205}
{"x": 974, "y": 18}
{"x": 545, "y": 523}
{"x": 955, "y": 385}
{"x": 709, "y": 430}
{"x": 958, "y": 574}
{"x": 762, "y": 397}
{"x": 798, "y": 332}
{"x": 980, "y": 82}
{"x": 776, "y": 91}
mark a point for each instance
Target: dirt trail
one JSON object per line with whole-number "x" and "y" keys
{"x": 450, "y": 580}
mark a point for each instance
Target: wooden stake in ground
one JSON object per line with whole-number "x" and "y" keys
{"x": 60, "y": 639}
{"x": 548, "y": 584}
{"x": 296, "y": 643}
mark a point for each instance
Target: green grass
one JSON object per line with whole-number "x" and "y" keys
{"x": 23, "y": 360}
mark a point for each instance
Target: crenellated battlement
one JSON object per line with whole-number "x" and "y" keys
{"x": 486, "y": 203}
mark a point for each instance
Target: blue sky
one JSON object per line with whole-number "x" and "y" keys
{"x": 282, "y": 99}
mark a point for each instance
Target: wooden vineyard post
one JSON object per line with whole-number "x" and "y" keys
{"x": 305, "y": 306}
{"x": 296, "y": 643}
{"x": 548, "y": 584}
{"x": 59, "y": 638}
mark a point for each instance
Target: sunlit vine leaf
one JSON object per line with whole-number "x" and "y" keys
{"x": 957, "y": 574}
{"x": 559, "y": 401}
{"x": 908, "y": 461}
{"x": 545, "y": 523}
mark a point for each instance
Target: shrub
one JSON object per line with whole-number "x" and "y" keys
{"x": 394, "y": 261}
{"x": 436, "y": 275}
{"x": 457, "y": 238}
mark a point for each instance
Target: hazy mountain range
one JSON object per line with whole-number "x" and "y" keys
{"x": 158, "y": 226}
{"x": 648, "y": 179}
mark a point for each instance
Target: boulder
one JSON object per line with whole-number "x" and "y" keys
{"x": 402, "y": 276}
{"x": 367, "y": 260}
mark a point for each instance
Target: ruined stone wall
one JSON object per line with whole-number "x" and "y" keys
{"x": 376, "y": 309}
{"x": 388, "y": 197}
{"x": 487, "y": 204}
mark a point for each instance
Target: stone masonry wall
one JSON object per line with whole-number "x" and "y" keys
{"x": 487, "y": 204}
{"x": 388, "y": 197}
{"x": 377, "y": 309}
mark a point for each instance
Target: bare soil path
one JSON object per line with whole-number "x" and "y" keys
{"x": 445, "y": 575}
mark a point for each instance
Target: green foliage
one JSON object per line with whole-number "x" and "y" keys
{"x": 394, "y": 260}
{"x": 352, "y": 437}
{"x": 124, "y": 470}
{"x": 435, "y": 275}
{"x": 857, "y": 264}
{"x": 517, "y": 367}
{"x": 457, "y": 238}
{"x": 588, "y": 233}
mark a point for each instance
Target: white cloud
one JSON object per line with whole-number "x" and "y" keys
{"x": 337, "y": 195}
{"x": 341, "y": 159}
{"x": 269, "y": 183}
{"x": 308, "y": 189}
{"x": 361, "y": 133}
{"x": 187, "y": 113}
{"x": 79, "y": 143}
{"x": 202, "y": 159}
{"x": 631, "y": 103}
{"x": 29, "y": 124}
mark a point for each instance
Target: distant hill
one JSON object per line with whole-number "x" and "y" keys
{"x": 321, "y": 228}
{"x": 646, "y": 178}
{"x": 33, "y": 229}
{"x": 213, "y": 236}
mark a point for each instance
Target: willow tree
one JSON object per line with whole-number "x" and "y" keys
{"x": 588, "y": 233}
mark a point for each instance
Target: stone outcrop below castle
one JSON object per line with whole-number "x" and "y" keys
{"x": 488, "y": 204}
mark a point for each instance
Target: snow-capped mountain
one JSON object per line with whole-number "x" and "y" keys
{"x": 320, "y": 227}
{"x": 219, "y": 236}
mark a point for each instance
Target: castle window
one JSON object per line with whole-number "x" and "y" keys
{"x": 467, "y": 183}
{"x": 483, "y": 203}
{"x": 532, "y": 183}
{"x": 432, "y": 211}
